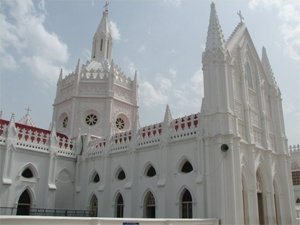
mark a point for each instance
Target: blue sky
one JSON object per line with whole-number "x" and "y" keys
{"x": 163, "y": 40}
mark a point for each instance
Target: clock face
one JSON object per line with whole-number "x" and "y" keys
{"x": 65, "y": 122}
{"x": 91, "y": 119}
{"x": 120, "y": 124}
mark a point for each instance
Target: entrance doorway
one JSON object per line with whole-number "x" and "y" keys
{"x": 24, "y": 204}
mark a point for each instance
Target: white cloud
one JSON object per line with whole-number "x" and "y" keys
{"x": 172, "y": 51}
{"x": 130, "y": 65}
{"x": 35, "y": 46}
{"x": 114, "y": 31}
{"x": 173, "y": 72}
{"x": 173, "y": 2}
{"x": 152, "y": 97}
{"x": 289, "y": 13}
{"x": 142, "y": 48}
{"x": 165, "y": 84}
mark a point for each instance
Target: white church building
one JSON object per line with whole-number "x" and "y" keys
{"x": 229, "y": 161}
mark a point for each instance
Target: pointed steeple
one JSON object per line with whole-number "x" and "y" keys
{"x": 60, "y": 76}
{"x": 215, "y": 38}
{"x": 168, "y": 116}
{"x": 12, "y": 120}
{"x": 102, "y": 41}
{"x": 78, "y": 67}
{"x": 267, "y": 67}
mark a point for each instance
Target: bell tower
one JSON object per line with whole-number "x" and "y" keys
{"x": 97, "y": 97}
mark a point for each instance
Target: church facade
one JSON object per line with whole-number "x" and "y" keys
{"x": 229, "y": 161}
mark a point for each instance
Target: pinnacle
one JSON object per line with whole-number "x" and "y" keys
{"x": 267, "y": 66}
{"x": 168, "y": 116}
{"x": 215, "y": 38}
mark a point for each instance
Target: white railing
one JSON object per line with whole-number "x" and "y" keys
{"x": 48, "y": 220}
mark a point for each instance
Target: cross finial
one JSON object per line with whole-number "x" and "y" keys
{"x": 240, "y": 15}
{"x": 105, "y": 6}
{"x": 28, "y": 110}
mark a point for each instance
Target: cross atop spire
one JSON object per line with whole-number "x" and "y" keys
{"x": 28, "y": 110}
{"x": 240, "y": 15}
{"x": 105, "y": 6}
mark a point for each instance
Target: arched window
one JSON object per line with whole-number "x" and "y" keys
{"x": 259, "y": 189}
{"x": 187, "y": 167}
{"x": 95, "y": 178}
{"x": 149, "y": 208}
{"x": 249, "y": 75}
{"x": 24, "y": 204}
{"x": 27, "y": 173}
{"x": 121, "y": 175}
{"x": 276, "y": 202}
{"x": 94, "y": 206}
{"x": 295, "y": 173}
{"x": 151, "y": 172}
{"x": 101, "y": 44}
{"x": 186, "y": 205}
{"x": 107, "y": 50}
{"x": 120, "y": 206}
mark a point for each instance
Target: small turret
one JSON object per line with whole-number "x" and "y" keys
{"x": 102, "y": 41}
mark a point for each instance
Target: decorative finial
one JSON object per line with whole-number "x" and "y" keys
{"x": 105, "y": 6}
{"x": 28, "y": 110}
{"x": 240, "y": 15}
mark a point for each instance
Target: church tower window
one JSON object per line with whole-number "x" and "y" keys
{"x": 65, "y": 122}
{"x": 249, "y": 75}
{"x": 101, "y": 44}
{"x": 107, "y": 53}
{"x": 91, "y": 119}
{"x": 27, "y": 173}
{"x": 120, "y": 123}
{"x": 186, "y": 205}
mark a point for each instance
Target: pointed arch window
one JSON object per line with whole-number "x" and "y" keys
{"x": 249, "y": 75}
{"x": 295, "y": 173}
{"x": 150, "y": 172}
{"x": 187, "y": 167}
{"x": 121, "y": 175}
{"x": 149, "y": 208}
{"x": 107, "y": 53}
{"x": 95, "y": 178}
{"x": 260, "y": 202}
{"x": 186, "y": 205}
{"x": 24, "y": 204}
{"x": 101, "y": 44}
{"x": 27, "y": 173}
{"x": 94, "y": 206}
{"x": 120, "y": 206}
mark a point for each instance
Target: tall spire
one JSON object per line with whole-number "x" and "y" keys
{"x": 215, "y": 38}
{"x": 267, "y": 67}
{"x": 102, "y": 41}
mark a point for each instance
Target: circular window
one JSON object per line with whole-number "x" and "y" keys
{"x": 120, "y": 124}
{"x": 91, "y": 119}
{"x": 65, "y": 122}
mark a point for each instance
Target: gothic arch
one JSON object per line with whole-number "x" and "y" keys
{"x": 118, "y": 209}
{"x": 182, "y": 161}
{"x": 32, "y": 195}
{"x": 146, "y": 168}
{"x": 180, "y": 192}
{"x": 149, "y": 210}
{"x": 90, "y": 198}
{"x": 93, "y": 203}
{"x": 92, "y": 175}
{"x": 67, "y": 172}
{"x": 32, "y": 168}
{"x": 246, "y": 173}
{"x": 117, "y": 171}
{"x": 146, "y": 192}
